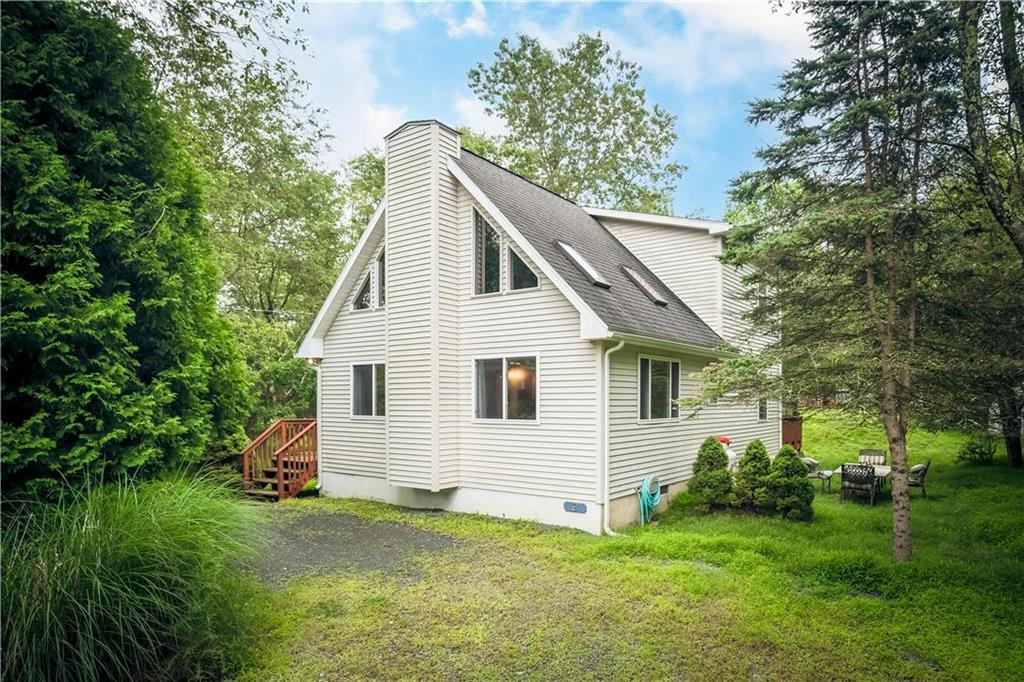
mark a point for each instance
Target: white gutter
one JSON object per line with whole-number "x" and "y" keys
{"x": 605, "y": 464}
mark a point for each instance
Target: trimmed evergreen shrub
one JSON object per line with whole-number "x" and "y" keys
{"x": 128, "y": 581}
{"x": 752, "y": 477}
{"x": 789, "y": 491}
{"x": 980, "y": 449}
{"x": 711, "y": 483}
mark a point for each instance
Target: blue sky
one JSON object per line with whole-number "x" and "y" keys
{"x": 373, "y": 65}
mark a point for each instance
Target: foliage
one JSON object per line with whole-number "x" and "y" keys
{"x": 591, "y": 134}
{"x": 114, "y": 357}
{"x": 362, "y": 191}
{"x": 752, "y": 478}
{"x": 127, "y": 581}
{"x": 980, "y": 449}
{"x": 755, "y": 590}
{"x": 281, "y": 385}
{"x": 711, "y": 483}
{"x": 788, "y": 490}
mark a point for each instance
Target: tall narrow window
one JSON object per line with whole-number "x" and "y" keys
{"x": 658, "y": 388}
{"x": 522, "y": 277}
{"x": 521, "y": 380}
{"x": 362, "y": 301}
{"x": 488, "y": 257}
{"x": 380, "y": 280}
{"x": 489, "y": 390}
{"x": 506, "y": 388}
{"x": 368, "y": 390}
{"x": 762, "y": 409}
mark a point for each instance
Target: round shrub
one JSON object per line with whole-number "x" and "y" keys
{"x": 789, "y": 491}
{"x": 752, "y": 477}
{"x": 979, "y": 450}
{"x": 711, "y": 483}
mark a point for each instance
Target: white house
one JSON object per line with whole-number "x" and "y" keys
{"x": 493, "y": 347}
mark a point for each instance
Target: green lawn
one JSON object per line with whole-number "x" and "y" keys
{"x": 720, "y": 597}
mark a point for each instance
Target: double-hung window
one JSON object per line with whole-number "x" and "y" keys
{"x": 491, "y": 273}
{"x": 659, "y": 388}
{"x": 368, "y": 390}
{"x": 506, "y": 388}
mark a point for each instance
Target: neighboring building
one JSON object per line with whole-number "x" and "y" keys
{"x": 492, "y": 347}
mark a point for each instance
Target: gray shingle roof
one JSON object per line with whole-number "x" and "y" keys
{"x": 544, "y": 218}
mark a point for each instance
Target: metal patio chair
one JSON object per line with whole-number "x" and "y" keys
{"x": 858, "y": 479}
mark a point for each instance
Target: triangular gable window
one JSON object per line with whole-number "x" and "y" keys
{"x": 362, "y": 301}
{"x": 522, "y": 277}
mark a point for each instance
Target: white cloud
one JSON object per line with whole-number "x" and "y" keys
{"x": 470, "y": 112}
{"x": 717, "y": 44}
{"x": 473, "y": 24}
{"x": 344, "y": 84}
{"x": 394, "y": 18}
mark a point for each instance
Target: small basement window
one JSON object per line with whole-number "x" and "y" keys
{"x": 362, "y": 301}
{"x": 658, "y": 388}
{"x": 585, "y": 267}
{"x": 368, "y": 390}
{"x": 506, "y": 388}
{"x": 521, "y": 276}
{"x": 644, "y": 286}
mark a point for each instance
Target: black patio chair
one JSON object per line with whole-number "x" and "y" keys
{"x": 858, "y": 479}
{"x": 916, "y": 477}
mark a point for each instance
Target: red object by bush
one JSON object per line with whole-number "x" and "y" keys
{"x": 724, "y": 440}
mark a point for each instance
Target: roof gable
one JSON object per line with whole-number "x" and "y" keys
{"x": 544, "y": 219}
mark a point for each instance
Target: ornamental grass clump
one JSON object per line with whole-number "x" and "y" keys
{"x": 789, "y": 491}
{"x": 127, "y": 581}
{"x": 751, "y": 486}
{"x": 711, "y": 484}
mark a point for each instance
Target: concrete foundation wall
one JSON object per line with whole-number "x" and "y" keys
{"x": 625, "y": 510}
{"x": 505, "y": 505}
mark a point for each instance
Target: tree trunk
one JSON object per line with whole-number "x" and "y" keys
{"x": 896, "y": 434}
{"x": 1009, "y": 422}
{"x": 980, "y": 156}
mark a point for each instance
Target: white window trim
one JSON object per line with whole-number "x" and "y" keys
{"x": 504, "y": 356}
{"x": 767, "y": 407}
{"x": 639, "y": 397}
{"x": 373, "y": 391}
{"x": 504, "y": 266}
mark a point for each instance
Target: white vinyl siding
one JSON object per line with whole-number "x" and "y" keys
{"x": 556, "y": 456}
{"x": 668, "y": 448}
{"x": 353, "y": 446}
{"x": 411, "y": 312}
{"x": 682, "y": 258}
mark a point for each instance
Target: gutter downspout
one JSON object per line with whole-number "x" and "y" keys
{"x": 605, "y": 464}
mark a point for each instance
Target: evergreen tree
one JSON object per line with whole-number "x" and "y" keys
{"x": 711, "y": 483}
{"x": 114, "y": 357}
{"x": 789, "y": 491}
{"x": 751, "y": 479}
{"x": 842, "y": 236}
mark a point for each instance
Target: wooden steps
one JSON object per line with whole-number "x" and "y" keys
{"x": 281, "y": 460}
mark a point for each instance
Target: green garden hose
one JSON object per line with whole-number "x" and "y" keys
{"x": 648, "y": 500}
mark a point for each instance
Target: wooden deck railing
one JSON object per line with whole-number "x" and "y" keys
{"x": 282, "y": 458}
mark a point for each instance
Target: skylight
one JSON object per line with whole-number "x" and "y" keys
{"x": 587, "y": 269}
{"x": 644, "y": 285}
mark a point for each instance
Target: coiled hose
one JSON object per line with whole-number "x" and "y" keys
{"x": 648, "y": 500}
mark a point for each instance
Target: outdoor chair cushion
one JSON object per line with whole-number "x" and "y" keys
{"x": 871, "y": 456}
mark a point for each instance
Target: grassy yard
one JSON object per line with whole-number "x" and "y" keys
{"x": 720, "y": 597}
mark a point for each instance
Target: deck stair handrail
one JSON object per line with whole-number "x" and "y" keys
{"x": 282, "y": 458}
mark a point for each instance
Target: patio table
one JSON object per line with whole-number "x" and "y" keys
{"x": 882, "y": 472}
